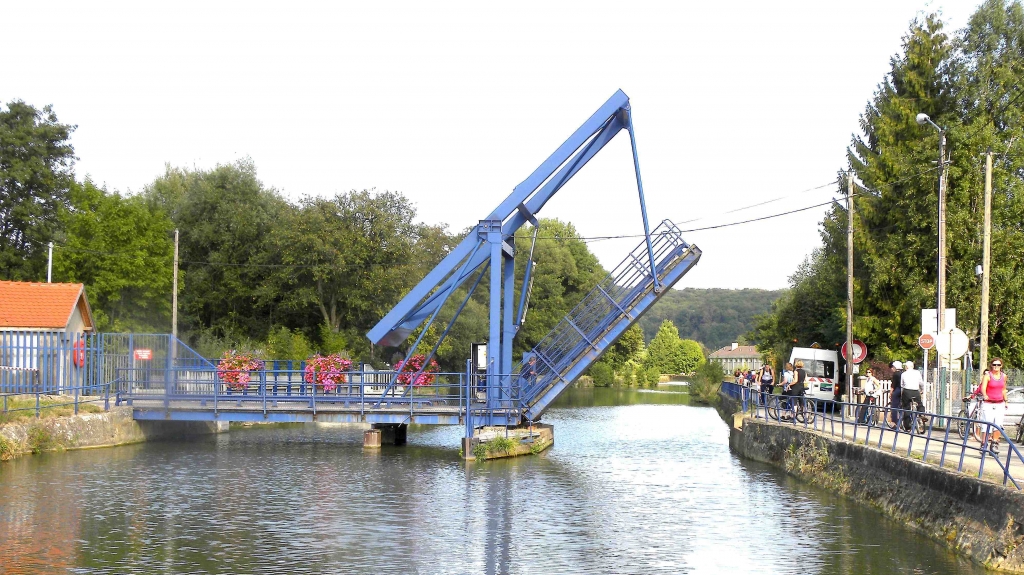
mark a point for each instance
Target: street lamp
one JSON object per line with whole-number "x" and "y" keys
{"x": 940, "y": 310}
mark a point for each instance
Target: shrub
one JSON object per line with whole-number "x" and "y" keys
{"x": 7, "y": 449}
{"x": 40, "y": 439}
{"x": 603, "y": 374}
{"x": 706, "y": 381}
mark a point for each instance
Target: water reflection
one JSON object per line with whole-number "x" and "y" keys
{"x": 638, "y": 482}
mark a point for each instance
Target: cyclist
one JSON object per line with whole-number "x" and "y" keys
{"x": 911, "y": 385}
{"x": 871, "y": 389}
{"x": 993, "y": 391}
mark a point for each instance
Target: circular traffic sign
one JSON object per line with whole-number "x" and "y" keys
{"x": 926, "y": 341}
{"x": 860, "y": 351}
{"x": 952, "y": 342}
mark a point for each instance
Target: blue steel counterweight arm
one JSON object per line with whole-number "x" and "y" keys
{"x": 492, "y": 243}
{"x": 420, "y": 302}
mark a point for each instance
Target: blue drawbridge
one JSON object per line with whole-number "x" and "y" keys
{"x": 507, "y": 392}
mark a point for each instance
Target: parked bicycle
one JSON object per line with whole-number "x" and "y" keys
{"x": 971, "y": 410}
{"x": 869, "y": 413}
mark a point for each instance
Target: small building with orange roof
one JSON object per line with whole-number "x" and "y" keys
{"x": 44, "y": 329}
{"x": 31, "y": 306}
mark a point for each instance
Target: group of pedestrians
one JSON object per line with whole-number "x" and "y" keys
{"x": 792, "y": 381}
{"x": 905, "y": 400}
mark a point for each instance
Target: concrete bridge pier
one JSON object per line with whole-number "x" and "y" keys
{"x": 385, "y": 434}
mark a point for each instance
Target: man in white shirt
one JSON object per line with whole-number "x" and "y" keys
{"x": 911, "y": 384}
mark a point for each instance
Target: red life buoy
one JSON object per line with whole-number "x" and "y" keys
{"x": 78, "y": 355}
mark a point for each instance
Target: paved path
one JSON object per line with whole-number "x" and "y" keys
{"x": 950, "y": 450}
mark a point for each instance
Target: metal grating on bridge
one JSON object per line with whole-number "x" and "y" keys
{"x": 604, "y": 314}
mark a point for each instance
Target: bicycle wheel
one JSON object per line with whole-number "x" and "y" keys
{"x": 771, "y": 408}
{"x": 977, "y": 429}
{"x": 1020, "y": 430}
{"x": 873, "y": 415}
{"x": 961, "y": 424}
{"x": 807, "y": 411}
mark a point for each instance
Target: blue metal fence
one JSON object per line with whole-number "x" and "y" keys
{"x": 942, "y": 440}
{"x": 52, "y": 362}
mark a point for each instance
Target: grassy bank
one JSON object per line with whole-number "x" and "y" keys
{"x": 20, "y": 408}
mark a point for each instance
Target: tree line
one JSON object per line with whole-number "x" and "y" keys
{"x": 968, "y": 82}
{"x": 259, "y": 272}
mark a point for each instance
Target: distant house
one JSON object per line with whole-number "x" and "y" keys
{"x": 735, "y": 356}
{"x": 43, "y": 329}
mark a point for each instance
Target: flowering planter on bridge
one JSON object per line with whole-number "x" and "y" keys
{"x": 408, "y": 369}
{"x": 328, "y": 372}
{"x": 235, "y": 370}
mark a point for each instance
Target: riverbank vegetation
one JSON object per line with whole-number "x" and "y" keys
{"x": 23, "y": 408}
{"x": 706, "y": 382}
{"x": 969, "y": 82}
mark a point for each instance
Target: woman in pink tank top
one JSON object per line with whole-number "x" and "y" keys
{"x": 993, "y": 390}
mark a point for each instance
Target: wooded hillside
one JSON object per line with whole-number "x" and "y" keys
{"x": 714, "y": 317}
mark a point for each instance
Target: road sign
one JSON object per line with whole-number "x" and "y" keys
{"x": 926, "y": 341}
{"x": 952, "y": 343}
{"x": 860, "y": 351}
{"x": 143, "y": 354}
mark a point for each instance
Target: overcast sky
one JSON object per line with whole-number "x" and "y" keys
{"x": 453, "y": 104}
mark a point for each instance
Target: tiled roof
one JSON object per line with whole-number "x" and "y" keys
{"x": 39, "y": 305}
{"x": 740, "y": 351}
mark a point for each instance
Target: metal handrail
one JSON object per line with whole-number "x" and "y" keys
{"x": 833, "y": 421}
{"x": 76, "y": 401}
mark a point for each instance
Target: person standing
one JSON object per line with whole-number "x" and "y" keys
{"x": 871, "y": 388}
{"x": 896, "y": 392}
{"x": 799, "y": 385}
{"x": 910, "y": 383}
{"x": 767, "y": 378}
{"x": 993, "y": 393}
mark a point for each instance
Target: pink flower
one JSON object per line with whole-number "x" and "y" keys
{"x": 413, "y": 365}
{"x": 327, "y": 371}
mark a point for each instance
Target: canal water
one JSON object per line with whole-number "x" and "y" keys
{"x": 637, "y": 482}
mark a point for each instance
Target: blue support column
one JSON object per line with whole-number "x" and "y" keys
{"x": 494, "y": 337}
{"x": 508, "y": 328}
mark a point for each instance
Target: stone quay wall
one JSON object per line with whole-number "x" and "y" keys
{"x": 90, "y": 430}
{"x": 975, "y": 518}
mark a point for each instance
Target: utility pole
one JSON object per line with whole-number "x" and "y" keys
{"x": 174, "y": 295}
{"x": 941, "y": 311}
{"x": 986, "y": 260}
{"x": 49, "y": 263}
{"x": 849, "y": 282}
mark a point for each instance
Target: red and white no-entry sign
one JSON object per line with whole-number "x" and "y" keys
{"x": 926, "y": 341}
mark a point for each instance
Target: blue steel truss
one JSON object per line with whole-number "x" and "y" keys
{"x": 489, "y": 248}
{"x": 614, "y": 305}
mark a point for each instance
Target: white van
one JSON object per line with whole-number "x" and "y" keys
{"x": 820, "y": 365}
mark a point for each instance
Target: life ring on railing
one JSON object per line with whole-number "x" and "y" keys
{"x": 78, "y": 354}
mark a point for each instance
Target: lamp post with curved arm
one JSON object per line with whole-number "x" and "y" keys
{"x": 940, "y": 310}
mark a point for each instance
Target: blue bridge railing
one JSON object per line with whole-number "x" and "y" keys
{"x": 950, "y": 442}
